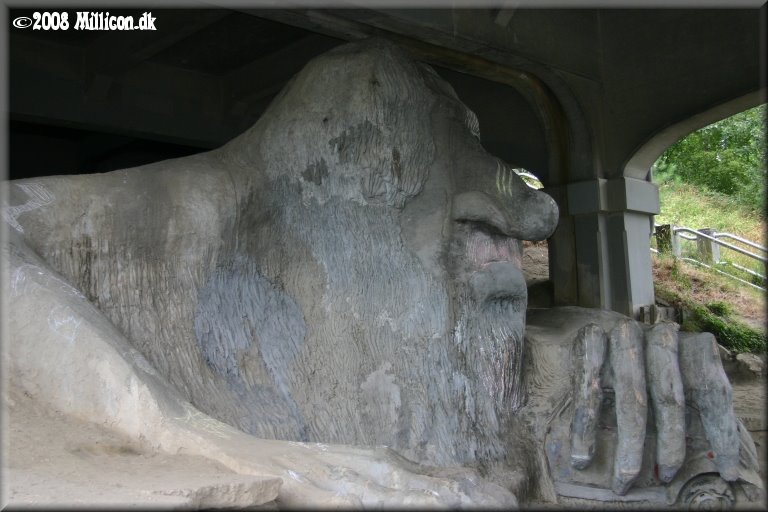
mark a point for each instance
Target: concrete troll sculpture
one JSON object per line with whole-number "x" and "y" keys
{"x": 334, "y": 299}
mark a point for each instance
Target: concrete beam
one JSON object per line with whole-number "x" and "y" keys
{"x": 629, "y": 194}
{"x": 621, "y": 194}
{"x": 114, "y": 52}
{"x": 505, "y": 14}
{"x": 47, "y": 85}
{"x": 248, "y": 90}
{"x": 641, "y": 161}
{"x": 664, "y": 66}
{"x": 607, "y": 226}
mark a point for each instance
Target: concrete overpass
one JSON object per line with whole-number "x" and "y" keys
{"x": 584, "y": 98}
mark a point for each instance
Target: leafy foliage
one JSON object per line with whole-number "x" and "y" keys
{"x": 728, "y": 157}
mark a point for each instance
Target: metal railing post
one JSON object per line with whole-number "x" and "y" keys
{"x": 667, "y": 240}
{"x": 664, "y": 238}
{"x": 709, "y": 249}
{"x": 676, "y": 251}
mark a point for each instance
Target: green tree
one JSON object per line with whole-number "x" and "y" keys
{"x": 727, "y": 157}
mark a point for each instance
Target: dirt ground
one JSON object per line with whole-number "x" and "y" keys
{"x": 747, "y": 305}
{"x": 535, "y": 261}
{"x": 749, "y": 398}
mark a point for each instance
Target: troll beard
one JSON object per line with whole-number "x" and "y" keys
{"x": 488, "y": 350}
{"x": 489, "y": 338}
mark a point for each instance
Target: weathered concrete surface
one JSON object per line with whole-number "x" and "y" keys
{"x": 589, "y": 349}
{"x": 55, "y": 460}
{"x": 298, "y": 295}
{"x": 667, "y": 397}
{"x": 621, "y": 444}
{"x": 80, "y": 364}
{"x": 626, "y": 343}
{"x": 244, "y": 275}
{"x": 708, "y": 388}
{"x": 333, "y": 275}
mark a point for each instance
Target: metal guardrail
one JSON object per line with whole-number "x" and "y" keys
{"x": 709, "y": 242}
{"x": 707, "y": 236}
{"x": 699, "y": 263}
{"x": 740, "y": 239}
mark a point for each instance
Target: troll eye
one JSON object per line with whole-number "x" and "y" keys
{"x": 480, "y": 210}
{"x": 486, "y": 227}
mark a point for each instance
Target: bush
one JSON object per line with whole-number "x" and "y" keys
{"x": 719, "y": 308}
{"x": 731, "y": 334}
{"x": 726, "y": 157}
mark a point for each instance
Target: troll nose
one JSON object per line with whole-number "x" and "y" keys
{"x": 505, "y": 201}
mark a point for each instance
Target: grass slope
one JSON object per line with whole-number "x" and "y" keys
{"x": 733, "y": 312}
{"x": 686, "y": 205}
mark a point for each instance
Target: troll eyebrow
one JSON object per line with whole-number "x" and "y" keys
{"x": 503, "y": 179}
{"x": 478, "y": 207}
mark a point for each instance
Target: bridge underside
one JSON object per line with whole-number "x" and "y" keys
{"x": 585, "y": 99}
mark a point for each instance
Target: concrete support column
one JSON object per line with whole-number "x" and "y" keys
{"x": 600, "y": 254}
{"x": 562, "y": 247}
